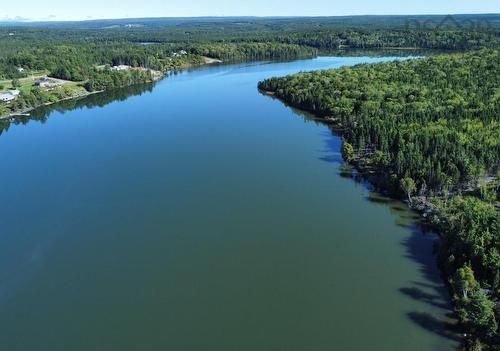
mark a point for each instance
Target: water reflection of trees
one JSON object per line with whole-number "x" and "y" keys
{"x": 42, "y": 114}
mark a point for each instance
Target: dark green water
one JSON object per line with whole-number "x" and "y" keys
{"x": 202, "y": 215}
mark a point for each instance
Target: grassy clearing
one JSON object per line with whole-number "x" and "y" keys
{"x": 26, "y": 83}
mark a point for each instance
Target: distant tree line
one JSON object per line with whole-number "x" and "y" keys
{"x": 71, "y": 53}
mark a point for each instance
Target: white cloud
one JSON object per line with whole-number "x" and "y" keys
{"x": 15, "y": 19}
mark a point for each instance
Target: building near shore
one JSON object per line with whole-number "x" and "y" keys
{"x": 121, "y": 68}
{"x": 9, "y": 95}
{"x": 47, "y": 83}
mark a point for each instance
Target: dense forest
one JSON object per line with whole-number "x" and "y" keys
{"x": 84, "y": 52}
{"x": 112, "y": 41}
{"x": 428, "y": 129}
{"x": 90, "y": 63}
{"x": 227, "y": 28}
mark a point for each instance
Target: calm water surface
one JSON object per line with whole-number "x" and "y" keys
{"x": 202, "y": 215}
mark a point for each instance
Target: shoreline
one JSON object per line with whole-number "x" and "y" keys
{"x": 26, "y": 112}
{"x": 431, "y": 215}
{"x": 158, "y": 77}
{"x": 421, "y": 205}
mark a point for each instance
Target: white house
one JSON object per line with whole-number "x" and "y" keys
{"x": 121, "y": 68}
{"x": 179, "y": 54}
{"x": 47, "y": 83}
{"x": 43, "y": 82}
{"x": 9, "y": 95}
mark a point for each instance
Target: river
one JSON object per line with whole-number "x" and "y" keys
{"x": 199, "y": 214}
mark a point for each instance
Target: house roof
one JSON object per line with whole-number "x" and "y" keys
{"x": 9, "y": 95}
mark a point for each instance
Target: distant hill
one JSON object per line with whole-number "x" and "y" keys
{"x": 460, "y": 21}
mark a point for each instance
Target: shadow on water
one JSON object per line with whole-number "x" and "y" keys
{"x": 332, "y": 153}
{"x": 432, "y": 324}
{"x": 418, "y": 247}
{"x": 433, "y": 291}
{"x": 42, "y": 114}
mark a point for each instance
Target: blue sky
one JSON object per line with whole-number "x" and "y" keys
{"x": 94, "y": 9}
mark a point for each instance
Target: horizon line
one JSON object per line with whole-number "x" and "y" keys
{"x": 18, "y": 19}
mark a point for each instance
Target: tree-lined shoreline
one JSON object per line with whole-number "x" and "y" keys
{"x": 429, "y": 130}
{"x": 84, "y": 55}
{"x": 426, "y": 130}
